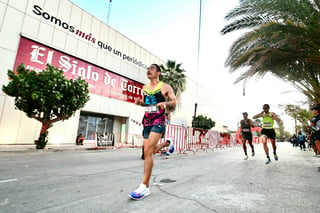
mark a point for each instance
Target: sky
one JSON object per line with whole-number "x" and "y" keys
{"x": 169, "y": 29}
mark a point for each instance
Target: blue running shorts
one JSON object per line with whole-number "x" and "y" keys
{"x": 155, "y": 128}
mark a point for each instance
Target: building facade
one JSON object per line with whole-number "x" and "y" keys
{"x": 37, "y": 32}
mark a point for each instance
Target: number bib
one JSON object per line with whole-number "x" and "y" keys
{"x": 246, "y": 130}
{"x": 267, "y": 124}
{"x": 150, "y": 109}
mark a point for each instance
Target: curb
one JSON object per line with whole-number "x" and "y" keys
{"x": 32, "y": 148}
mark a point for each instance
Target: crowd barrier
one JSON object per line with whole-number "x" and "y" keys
{"x": 196, "y": 140}
{"x": 256, "y": 139}
{"x": 214, "y": 139}
{"x": 104, "y": 139}
{"x": 186, "y": 139}
{"x": 179, "y": 134}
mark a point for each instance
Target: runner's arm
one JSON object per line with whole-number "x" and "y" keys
{"x": 251, "y": 123}
{"x": 139, "y": 101}
{"x": 169, "y": 94}
{"x": 172, "y": 98}
{"x": 258, "y": 115}
{"x": 275, "y": 117}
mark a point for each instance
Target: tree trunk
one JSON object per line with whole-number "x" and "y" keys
{"x": 43, "y": 137}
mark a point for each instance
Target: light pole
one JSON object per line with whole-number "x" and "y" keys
{"x": 109, "y": 10}
{"x": 199, "y": 35}
{"x": 198, "y": 56}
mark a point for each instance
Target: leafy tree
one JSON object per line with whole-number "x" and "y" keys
{"x": 299, "y": 114}
{"x": 281, "y": 130}
{"x": 173, "y": 74}
{"x": 281, "y": 38}
{"x": 203, "y": 122}
{"x": 46, "y": 96}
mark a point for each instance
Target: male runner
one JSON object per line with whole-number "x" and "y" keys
{"x": 268, "y": 131}
{"x": 155, "y": 95}
{"x": 245, "y": 125}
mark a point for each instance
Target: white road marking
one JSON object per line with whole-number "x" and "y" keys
{"x": 158, "y": 184}
{"x": 9, "y": 180}
{"x": 5, "y": 202}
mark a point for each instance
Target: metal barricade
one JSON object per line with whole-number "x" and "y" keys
{"x": 213, "y": 138}
{"x": 104, "y": 139}
{"x": 179, "y": 134}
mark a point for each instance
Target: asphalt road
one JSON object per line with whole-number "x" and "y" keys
{"x": 100, "y": 181}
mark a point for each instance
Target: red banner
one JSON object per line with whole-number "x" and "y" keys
{"x": 35, "y": 56}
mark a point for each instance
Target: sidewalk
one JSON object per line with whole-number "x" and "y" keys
{"x": 59, "y": 147}
{"x": 49, "y": 147}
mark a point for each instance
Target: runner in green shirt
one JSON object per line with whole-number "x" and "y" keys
{"x": 267, "y": 131}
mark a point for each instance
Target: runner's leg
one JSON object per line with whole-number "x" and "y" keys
{"x": 265, "y": 146}
{"x": 251, "y": 145}
{"x": 149, "y": 147}
{"x": 244, "y": 145}
{"x": 318, "y": 145}
{"x": 274, "y": 147}
{"x": 264, "y": 140}
{"x": 160, "y": 146}
{"x": 142, "y": 156}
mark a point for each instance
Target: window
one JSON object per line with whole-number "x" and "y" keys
{"x": 90, "y": 123}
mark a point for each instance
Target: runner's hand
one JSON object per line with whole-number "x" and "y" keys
{"x": 139, "y": 102}
{"x": 162, "y": 105}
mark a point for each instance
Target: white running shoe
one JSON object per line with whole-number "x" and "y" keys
{"x": 141, "y": 192}
{"x": 246, "y": 158}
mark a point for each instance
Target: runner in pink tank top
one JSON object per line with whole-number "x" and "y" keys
{"x": 157, "y": 97}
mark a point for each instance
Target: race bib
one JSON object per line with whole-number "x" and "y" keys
{"x": 268, "y": 124}
{"x": 150, "y": 109}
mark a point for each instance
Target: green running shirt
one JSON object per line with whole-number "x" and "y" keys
{"x": 267, "y": 122}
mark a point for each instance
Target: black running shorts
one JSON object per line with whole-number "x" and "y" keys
{"x": 247, "y": 136}
{"x": 270, "y": 133}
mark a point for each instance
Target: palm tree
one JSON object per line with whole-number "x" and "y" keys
{"x": 283, "y": 39}
{"x": 299, "y": 114}
{"x": 173, "y": 74}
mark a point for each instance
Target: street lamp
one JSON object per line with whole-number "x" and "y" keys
{"x": 195, "y": 110}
